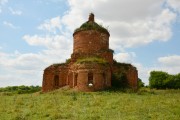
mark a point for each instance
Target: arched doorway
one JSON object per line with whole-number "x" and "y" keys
{"x": 104, "y": 78}
{"x": 56, "y": 81}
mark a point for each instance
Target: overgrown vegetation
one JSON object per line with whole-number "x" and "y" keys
{"x": 107, "y": 50}
{"x": 92, "y": 60}
{"x": 20, "y": 89}
{"x": 163, "y": 80}
{"x": 146, "y": 104}
{"x": 91, "y": 26}
{"x": 58, "y": 64}
{"x": 119, "y": 81}
{"x": 123, "y": 66}
{"x": 140, "y": 83}
{"x": 68, "y": 61}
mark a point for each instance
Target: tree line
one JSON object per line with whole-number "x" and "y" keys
{"x": 21, "y": 89}
{"x": 163, "y": 80}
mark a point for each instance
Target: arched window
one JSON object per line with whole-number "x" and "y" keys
{"x": 56, "y": 80}
{"x": 90, "y": 78}
{"x": 104, "y": 78}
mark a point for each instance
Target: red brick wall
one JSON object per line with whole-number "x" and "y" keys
{"x": 90, "y": 41}
{"x": 48, "y": 80}
{"x": 132, "y": 77}
{"x": 49, "y": 75}
{"x": 99, "y": 80}
{"x": 131, "y": 74}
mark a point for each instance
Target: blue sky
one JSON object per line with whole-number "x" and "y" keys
{"x": 37, "y": 33}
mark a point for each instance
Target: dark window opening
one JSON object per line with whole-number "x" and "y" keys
{"x": 104, "y": 78}
{"x": 75, "y": 79}
{"x": 90, "y": 78}
{"x": 56, "y": 81}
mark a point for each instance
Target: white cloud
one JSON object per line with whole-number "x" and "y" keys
{"x": 143, "y": 72}
{"x": 8, "y": 24}
{"x": 131, "y": 23}
{"x": 51, "y": 25}
{"x": 15, "y": 12}
{"x": 18, "y": 69}
{"x": 170, "y": 61}
{"x": 175, "y": 4}
{"x": 125, "y": 57}
{"x": 143, "y": 31}
{"x": 27, "y": 68}
{"x": 170, "y": 64}
{"x": 50, "y": 42}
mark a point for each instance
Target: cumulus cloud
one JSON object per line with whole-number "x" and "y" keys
{"x": 143, "y": 32}
{"x": 51, "y": 25}
{"x": 50, "y": 42}
{"x": 19, "y": 69}
{"x": 131, "y": 23}
{"x": 175, "y": 4}
{"x": 57, "y": 48}
{"x": 170, "y": 61}
{"x": 125, "y": 57}
{"x": 170, "y": 64}
{"x": 27, "y": 68}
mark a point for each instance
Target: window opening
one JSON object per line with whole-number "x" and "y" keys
{"x": 56, "y": 81}
{"x": 90, "y": 79}
{"x": 75, "y": 79}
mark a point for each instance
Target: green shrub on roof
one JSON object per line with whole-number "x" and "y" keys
{"x": 92, "y": 60}
{"x": 91, "y": 26}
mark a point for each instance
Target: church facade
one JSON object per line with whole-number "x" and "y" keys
{"x": 91, "y": 66}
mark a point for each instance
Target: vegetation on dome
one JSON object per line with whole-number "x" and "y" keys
{"x": 92, "y": 60}
{"x": 58, "y": 64}
{"x": 89, "y": 25}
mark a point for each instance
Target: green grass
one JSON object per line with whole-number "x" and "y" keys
{"x": 92, "y": 60}
{"x": 107, "y": 105}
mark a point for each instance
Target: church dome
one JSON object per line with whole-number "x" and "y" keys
{"x": 91, "y": 25}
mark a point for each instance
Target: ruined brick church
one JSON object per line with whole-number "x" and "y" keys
{"x": 91, "y": 66}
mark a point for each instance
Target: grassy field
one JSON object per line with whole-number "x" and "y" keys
{"x": 108, "y": 105}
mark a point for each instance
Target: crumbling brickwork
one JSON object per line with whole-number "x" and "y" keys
{"x": 91, "y": 65}
{"x": 129, "y": 71}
